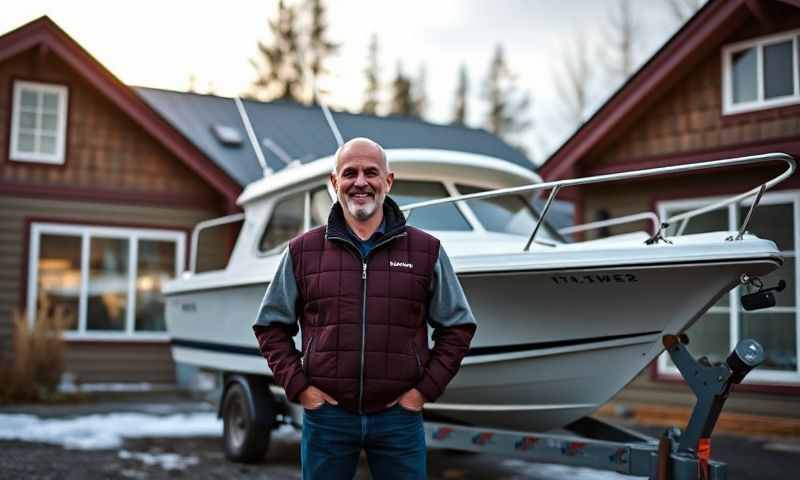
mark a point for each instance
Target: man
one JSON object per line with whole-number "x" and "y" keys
{"x": 362, "y": 288}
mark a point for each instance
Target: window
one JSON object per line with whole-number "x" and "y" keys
{"x": 761, "y": 73}
{"x": 440, "y": 217}
{"x": 507, "y": 214}
{"x": 285, "y": 222}
{"x": 776, "y": 328}
{"x": 38, "y": 123}
{"x": 320, "y": 206}
{"x": 107, "y": 280}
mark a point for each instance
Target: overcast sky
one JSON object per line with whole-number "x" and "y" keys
{"x": 162, "y": 43}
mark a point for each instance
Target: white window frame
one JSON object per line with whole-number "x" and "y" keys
{"x": 86, "y": 232}
{"x": 61, "y": 129}
{"x": 760, "y": 103}
{"x": 758, "y": 375}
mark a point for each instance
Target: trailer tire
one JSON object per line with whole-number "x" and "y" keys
{"x": 245, "y": 438}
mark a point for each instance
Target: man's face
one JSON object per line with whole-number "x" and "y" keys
{"x": 361, "y": 180}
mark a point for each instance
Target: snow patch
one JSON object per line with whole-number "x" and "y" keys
{"x": 167, "y": 461}
{"x": 106, "y": 431}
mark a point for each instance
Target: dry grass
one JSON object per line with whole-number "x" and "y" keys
{"x": 32, "y": 370}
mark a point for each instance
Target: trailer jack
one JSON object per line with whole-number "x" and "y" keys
{"x": 589, "y": 442}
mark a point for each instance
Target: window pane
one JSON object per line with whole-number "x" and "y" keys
{"x": 29, "y": 99}
{"x": 49, "y": 122}
{"x": 50, "y": 102}
{"x": 47, "y": 144}
{"x": 59, "y": 277}
{"x": 743, "y": 76}
{"x": 320, "y": 206}
{"x": 286, "y": 222}
{"x": 773, "y": 222}
{"x": 778, "y": 68}
{"x": 508, "y": 214}
{"x": 108, "y": 284}
{"x": 777, "y": 334}
{"x": 441, "y": 217}
{"x": 27, "y": 120}
{"x": 155, "y": 265}
{"x": 714, "y": 221}
{"x": 26, "y": 142}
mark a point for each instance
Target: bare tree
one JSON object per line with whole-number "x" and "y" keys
{"x": 622, "y": 36}
{"x": 372, "y": 72}
{"x": 462, "y": 90}
{"x": 508, "y": 107}
{"x": 573, "y": 81}
{"x": 682, "y": 10}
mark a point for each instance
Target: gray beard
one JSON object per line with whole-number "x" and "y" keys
{"x": 360, "y": 213}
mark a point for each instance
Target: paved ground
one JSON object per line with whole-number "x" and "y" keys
{"x": 201, "y": 458}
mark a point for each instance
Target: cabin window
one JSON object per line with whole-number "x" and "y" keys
{"x": 726, "y": 323}
{"x": 761, "y": 73}
{"x": 511, "y": 214}
{"x": 38, "y": 123}
{"x": 285, "y": 222}
{"x": 105, "y": 282}
{"x": 320, "y": 206}
{"x": 440, "y": 217}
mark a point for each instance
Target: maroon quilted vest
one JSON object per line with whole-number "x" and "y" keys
{"x": 364, "y": 319}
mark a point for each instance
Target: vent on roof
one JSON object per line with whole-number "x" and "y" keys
{"x": 227, "y": 135}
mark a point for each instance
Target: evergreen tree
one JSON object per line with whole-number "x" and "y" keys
{"x": 508, "y": 107}
{"x": 279, "y": 68}
{"x": 372, "y": 100}
{"x": 419, "y": 92}
{"x": 462, "y": 90}
{"x": 402, "y": 99}
{"x": 319, "y": 46}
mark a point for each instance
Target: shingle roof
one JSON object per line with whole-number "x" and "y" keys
{"x": 303, "y": 133}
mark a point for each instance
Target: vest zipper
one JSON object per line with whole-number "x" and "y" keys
{"x": 364, "y": 260}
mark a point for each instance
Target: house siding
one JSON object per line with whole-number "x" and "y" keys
{"x": 114, "y": 174}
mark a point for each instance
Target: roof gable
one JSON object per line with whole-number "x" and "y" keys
{"x": 45, "y": 35}
{"x": 703, "y": 33}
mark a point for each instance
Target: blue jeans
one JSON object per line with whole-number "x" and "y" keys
{"x": 393, "y": 439}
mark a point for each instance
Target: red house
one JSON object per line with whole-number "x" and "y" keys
{"x": 725, "y": 85}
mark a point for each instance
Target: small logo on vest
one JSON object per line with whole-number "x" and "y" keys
{"x": 392, "y": 263}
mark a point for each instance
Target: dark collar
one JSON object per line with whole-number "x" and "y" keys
{"x": 393, "y": 219}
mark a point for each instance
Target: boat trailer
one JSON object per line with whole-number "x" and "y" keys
{"x": 588, "y": 442}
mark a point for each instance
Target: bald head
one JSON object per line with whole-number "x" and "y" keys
{"x": 361, "y": 147}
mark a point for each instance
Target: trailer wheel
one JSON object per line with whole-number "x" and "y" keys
{"x": 246, "y": 438}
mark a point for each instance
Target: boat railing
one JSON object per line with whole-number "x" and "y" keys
{"x": 636, "y": 217}
{"x": 663, "y": 223}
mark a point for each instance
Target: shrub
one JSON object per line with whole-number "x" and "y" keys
{"x": 33, "y": 370}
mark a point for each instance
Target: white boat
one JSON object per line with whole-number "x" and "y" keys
{"x": 562, "y": 326}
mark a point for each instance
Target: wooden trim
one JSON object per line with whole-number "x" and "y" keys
{"x": 756, "y": 115}
{"x": 44, "y": 31}
{"x": 6, "y": 156}
{"x": 107, "y": 196}
{"x": 701, "y": 34}
{"x": 770, "y": 388}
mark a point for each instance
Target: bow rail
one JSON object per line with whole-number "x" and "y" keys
{"x": 557, "y": 185}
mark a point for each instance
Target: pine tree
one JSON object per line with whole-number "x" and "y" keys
{"x": 462, "y": 90}
{"x": 419, "y": 92}
{"x": 372, "y": 72}
{"x": 279, "y": 68}
{"x": 319, "y": 46}
{"x": 402, "y": 99}
{"x": 508, "y": 107}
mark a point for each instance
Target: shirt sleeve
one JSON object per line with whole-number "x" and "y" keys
{"x": 448, "y": 304}
{"x": 276, "y": 325}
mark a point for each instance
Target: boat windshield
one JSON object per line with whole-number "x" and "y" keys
{"x": 508, "y": 214}
{"x": 440, "y": 217}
